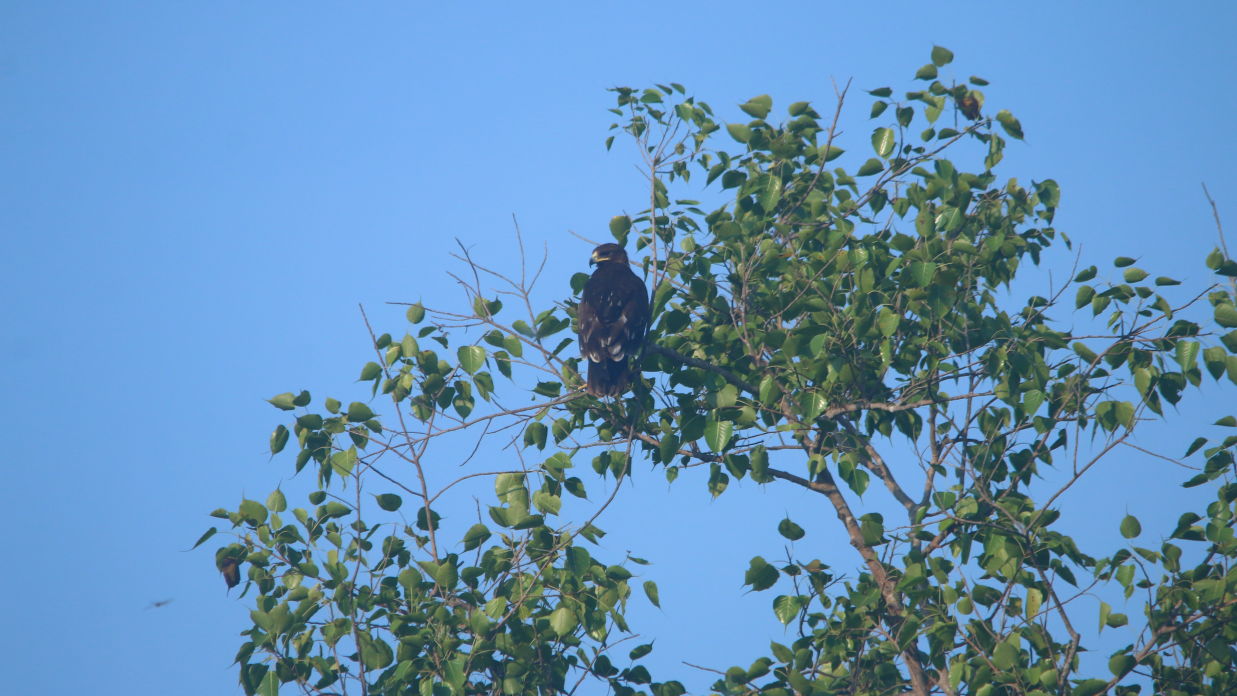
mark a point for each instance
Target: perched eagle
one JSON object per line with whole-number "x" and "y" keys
{"x": 614, "y": 314}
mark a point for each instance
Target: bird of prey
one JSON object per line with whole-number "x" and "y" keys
{"x": 613, "y": 316}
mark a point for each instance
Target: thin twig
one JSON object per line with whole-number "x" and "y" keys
{"x": 1215, "y": 212}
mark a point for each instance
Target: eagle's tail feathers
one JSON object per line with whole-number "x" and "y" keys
{"x": 608, "y": 378}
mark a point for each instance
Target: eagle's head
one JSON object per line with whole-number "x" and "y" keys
{"x": 610, "y": 252}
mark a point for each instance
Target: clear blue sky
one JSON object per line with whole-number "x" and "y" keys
{"x": 194, "y": 196}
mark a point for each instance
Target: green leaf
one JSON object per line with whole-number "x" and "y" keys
{"x": 768, "y": 392}
{"x": 253, "y": 511}
{"x": 510, "y": 489}
{"x": 1005, "y": 655}
{"x": 927, "y": 72}
{"x": 205, "y": 535}
{"x": 535, "y": 435}
{"x": 563, "y": 620}
{"x": 1187, "y": 354}
{"x": 1031, "y": 401}
{"x": 872, "y": 527}
{"x": 883, "y": 141}
{"x": 371, "y": 371}
{"x": 547, "y": 503}
{"x": 343, "y": 462}
{"x": 760, "y": 575}
{"x": 279, "y": 438}
{"x": 739, "y": 132}
{"x": 496, "y": 607}
{"x": 1216, "y": 361}
{"x": 1085, "y": 294}
{"x": 415, "y": 313}
{"x": 1226, "y": 315}
{"x": 471, "y": 358}
{"x": 787, "y": 607}
{"x": 1120, "y": 664}
{"x": 619, "y": 226}
{"x": 475, "y": 536}
{"x": 375, "y": 653}
{"x": 618, "y": 573}
{"x": 548, "y": 388}
{"x": 922, "y": 272}
{"x": 454, "y": 674}
{"x": 872, "y": 166}
{"x": 1198, "y": 442}
{"x": 359, "y": 412}
{"x": 650, "y": 591}
{"x": 1086, "y": 274}
{"x": 789, "y": 529}
{"x": 1010, "y": 124}
{"x": 759, "y": 463}
{"x": 1215, "y": 259}
{"x": 941, "y": 56}
{"x": 833, "y": 153}
{"x": 717, "y": 433}
{"x": 1084, "y": 352}
{"x": 276, "y": 502}
{"x": 269, "y": 685}
{"x": 758, "y": 107}
{"x": 718, "y": 480}
{"x": 408, "y": 346}
{"x": 1230, "y": 341}
{"x": 1130, "y": 527}
{"x": 1133, "y": 275}
{"x": 887, "y": 320}
{"x": 283, "y": 401}
{"x": 1035, "y": 599}
{"x": 310, "y": 421}
{"x": 389, "y": 501}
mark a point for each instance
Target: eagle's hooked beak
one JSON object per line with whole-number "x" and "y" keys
{"x": 596, "y": 259}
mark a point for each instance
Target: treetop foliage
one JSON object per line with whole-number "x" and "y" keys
{"x": 841, "y": 322}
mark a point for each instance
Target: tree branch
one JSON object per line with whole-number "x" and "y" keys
{"x": 825, "y": 485}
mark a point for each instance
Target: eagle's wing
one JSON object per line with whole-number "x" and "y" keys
{"x": 613, "y": 315}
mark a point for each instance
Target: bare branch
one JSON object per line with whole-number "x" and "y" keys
{"x": 1215, "y": 212}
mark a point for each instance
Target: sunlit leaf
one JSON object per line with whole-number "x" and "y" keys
{"x": 650, "y": 590}
{"x": 389, "y": 501}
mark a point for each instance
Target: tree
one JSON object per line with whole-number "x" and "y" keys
{"x": 840, "y": 329}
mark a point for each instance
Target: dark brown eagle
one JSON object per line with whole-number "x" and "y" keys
{"x": 614, "y": 314}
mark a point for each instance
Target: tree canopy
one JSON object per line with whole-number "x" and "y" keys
{"x": 838, "y": 322}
